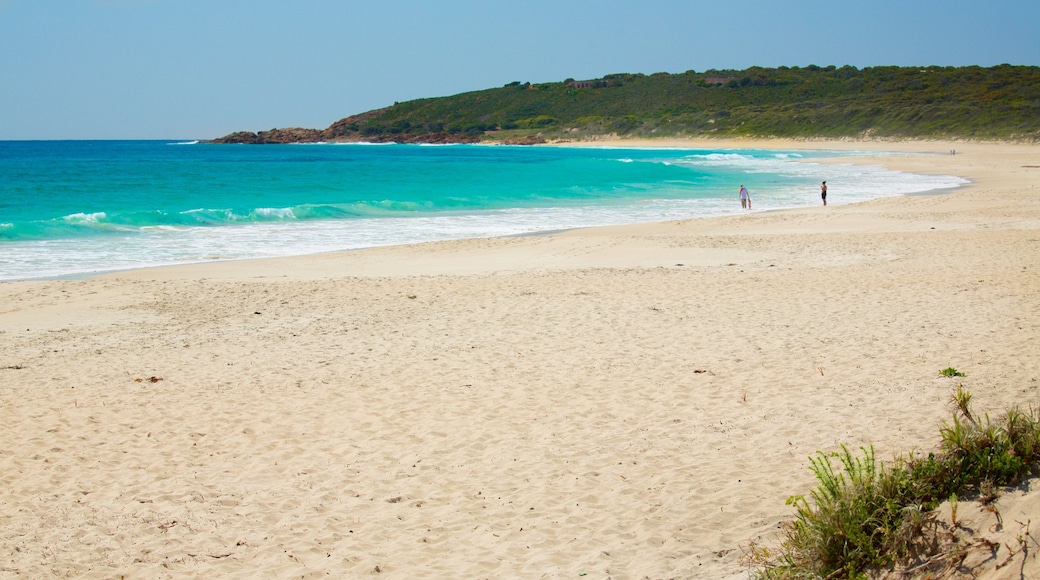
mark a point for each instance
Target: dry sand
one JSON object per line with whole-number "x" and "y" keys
{"x": 625, "y": 402}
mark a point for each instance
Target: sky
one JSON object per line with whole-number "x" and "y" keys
{"x": 200, "y": 69}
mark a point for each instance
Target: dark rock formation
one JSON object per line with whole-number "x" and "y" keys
{"x": 365, "y": 128}
{"x": 290, "y": 135}
{"x": 297, "y": 135}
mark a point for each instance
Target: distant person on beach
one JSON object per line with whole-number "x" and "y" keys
{"x": 823, "y": 192}
{"x": 745, "y": 198}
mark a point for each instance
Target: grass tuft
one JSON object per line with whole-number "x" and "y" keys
{"x": 865, "y": 516}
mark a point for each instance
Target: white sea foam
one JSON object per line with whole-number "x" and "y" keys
{"x": 275, "y": 212}
{"x": 724, "y": 158}
{"x": 89, "y": 218}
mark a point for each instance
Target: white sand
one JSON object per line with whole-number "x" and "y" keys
{"x": 620, "y": 402}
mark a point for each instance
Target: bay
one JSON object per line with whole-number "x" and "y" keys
{"x": 72, "y": 208}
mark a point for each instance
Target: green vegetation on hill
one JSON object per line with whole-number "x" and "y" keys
{"x": 1001, "y": 102}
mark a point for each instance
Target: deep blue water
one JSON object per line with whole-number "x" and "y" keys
{"x": 74, "y": 207}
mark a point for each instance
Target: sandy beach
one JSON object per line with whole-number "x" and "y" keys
{"x": 622, "y": 402}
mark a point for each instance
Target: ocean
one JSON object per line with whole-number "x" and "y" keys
{"x": 74, "y": 208}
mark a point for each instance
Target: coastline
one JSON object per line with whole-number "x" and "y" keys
{"x": 618, "y": 401}
{"x": 161, "y": 238}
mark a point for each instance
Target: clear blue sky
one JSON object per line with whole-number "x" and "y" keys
{"x": 181, "y": 69}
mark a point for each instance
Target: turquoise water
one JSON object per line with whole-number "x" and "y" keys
{"x": 76, "y": 207}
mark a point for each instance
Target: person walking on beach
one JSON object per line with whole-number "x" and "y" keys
{"x": 823, "y": 192}
{"x": 745, "y": 198}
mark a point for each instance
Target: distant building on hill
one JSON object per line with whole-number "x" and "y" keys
{"x": 717, "y": 80}
{"x": 593, "y": 84}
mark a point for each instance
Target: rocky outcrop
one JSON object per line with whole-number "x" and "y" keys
{"x": 350, "y": 125}
{"x": 290, "y": 135}
{"x": 245, "y": 137}
{"x": 362, "y": 129}
{"x": 296, "y": 135}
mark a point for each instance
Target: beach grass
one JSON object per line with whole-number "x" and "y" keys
{"x": 866, "y": 517}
